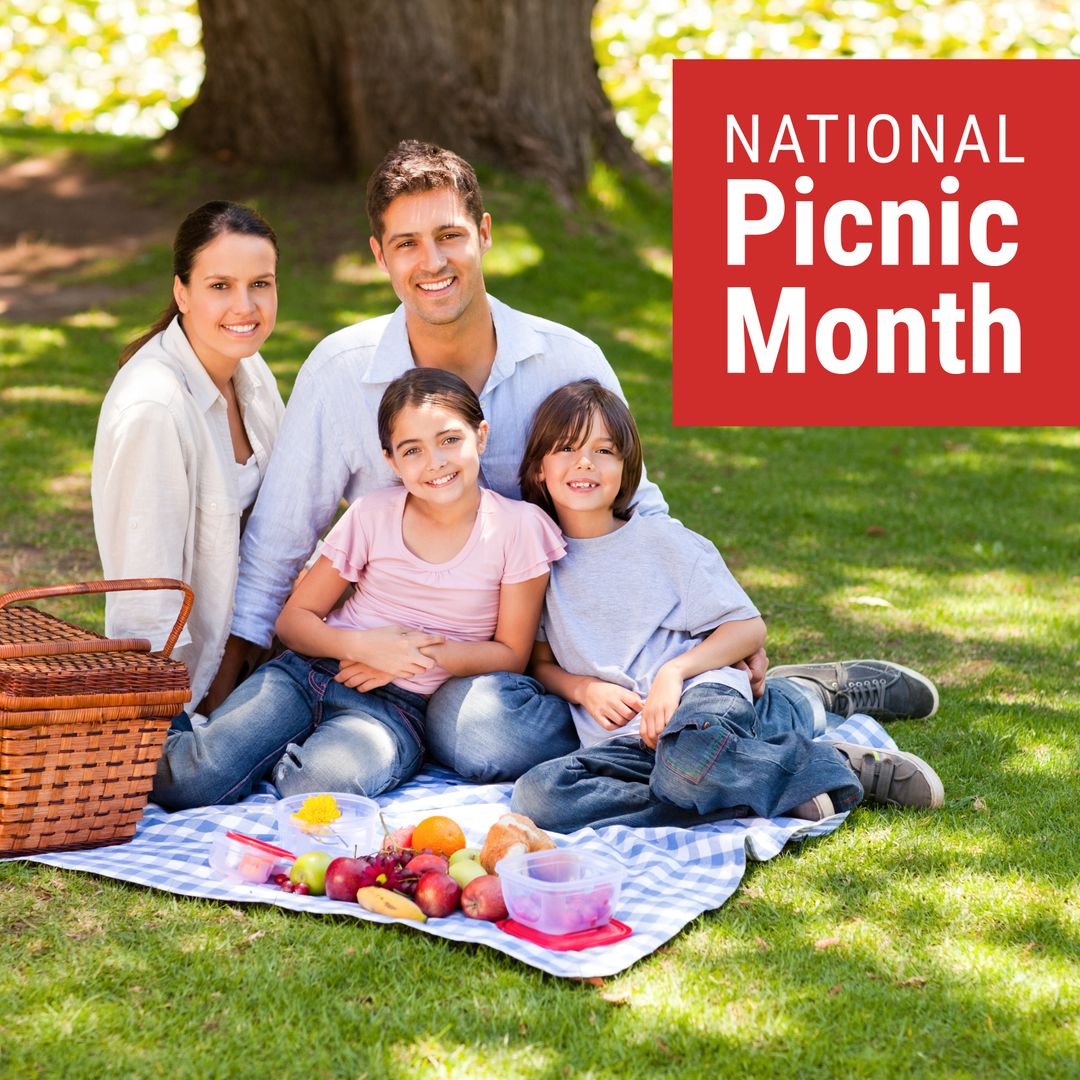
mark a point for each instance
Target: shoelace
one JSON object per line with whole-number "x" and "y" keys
{"x": 864, "y": 694}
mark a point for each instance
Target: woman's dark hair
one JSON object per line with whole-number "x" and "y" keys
{"x": 427, "y": 386}
{"x": 202, "y": 225}
{"x": 563, "y": 419}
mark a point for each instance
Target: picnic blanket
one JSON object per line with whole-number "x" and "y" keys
{"x": 673, "y": 874}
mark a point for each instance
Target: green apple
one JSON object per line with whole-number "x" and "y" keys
{"x": 310, "y": 869}
{"x": 465, "y": 853}
{"x": 464, "y": 870}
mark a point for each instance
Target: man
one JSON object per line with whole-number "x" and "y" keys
{"x": 429, "y": 234}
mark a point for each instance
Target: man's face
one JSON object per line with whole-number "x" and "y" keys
{"x": 432, "y": 250}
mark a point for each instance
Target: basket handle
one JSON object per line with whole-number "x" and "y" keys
{"x": 96, "y": 645}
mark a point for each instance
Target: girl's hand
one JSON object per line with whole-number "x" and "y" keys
{"x": 393, "y": 649}
{"x": 361, "y": 676}
{"x": 660, "y": 705}
{"x": 609, "y": 705}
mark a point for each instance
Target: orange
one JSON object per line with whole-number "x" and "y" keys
{"x": 442, "y": 835}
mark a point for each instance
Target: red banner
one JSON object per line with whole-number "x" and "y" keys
{"x": 876, "y": 242}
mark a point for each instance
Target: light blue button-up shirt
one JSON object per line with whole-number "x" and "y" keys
{"x": 328, "y": 446}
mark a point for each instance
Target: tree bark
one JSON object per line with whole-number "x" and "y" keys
{"x": 329, "y": 86}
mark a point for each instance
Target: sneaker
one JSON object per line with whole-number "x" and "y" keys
{"x": 875, "y": 687}
{"x": 893, "y": 777}
{"x": 816, "y": 809}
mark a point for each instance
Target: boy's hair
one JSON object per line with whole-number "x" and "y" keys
{"x": 563, "y": 419}
{"x": 427, "y": 386}
{"x": 414, "y": 166}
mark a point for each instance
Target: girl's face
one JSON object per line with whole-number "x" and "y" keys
{"x": 584, "y": 479}
{"x": 436, "y": 452}
{"x": 229, "y": 304}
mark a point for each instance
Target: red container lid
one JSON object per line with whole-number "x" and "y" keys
{"x": 263, "y": 846}
{"x": 579, "y": 939}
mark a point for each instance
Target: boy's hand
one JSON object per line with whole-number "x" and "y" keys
{"x": 755, "y": 666}
{"x": 609, "y": 705}
{"x": 660, "y": 705}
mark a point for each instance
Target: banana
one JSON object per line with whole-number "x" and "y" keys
{"x": 385, "y": 902}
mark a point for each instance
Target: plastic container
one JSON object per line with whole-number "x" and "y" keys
{"x": 243, "y": 858}
{"x": 357, "y": 831}
{"x": 560, "y": 891}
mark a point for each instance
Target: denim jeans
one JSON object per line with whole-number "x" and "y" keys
{"x": 496, "y": 727}
{"x": 292, "y": 723}
{"x": 718, "y": 757}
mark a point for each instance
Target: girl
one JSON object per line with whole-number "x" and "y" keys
{"x": 449, "y": 580}
{"x": 185, "y": 434}
{"x": 643, "y": 622}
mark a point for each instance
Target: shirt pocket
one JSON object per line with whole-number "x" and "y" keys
{"x": 217, "y": 522}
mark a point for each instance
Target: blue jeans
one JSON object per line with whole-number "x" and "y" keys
{"x": 496, "y": 727}
{"x": 292, "y": 721}
{"x": 719, "y": 757}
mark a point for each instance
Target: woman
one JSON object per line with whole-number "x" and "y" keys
{"x": 185, "y": 434}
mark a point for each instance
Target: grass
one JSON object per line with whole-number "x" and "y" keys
{"x": 905, "y": 945}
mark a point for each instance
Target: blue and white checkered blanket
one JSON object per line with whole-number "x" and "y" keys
{"x": 673, "y": 874}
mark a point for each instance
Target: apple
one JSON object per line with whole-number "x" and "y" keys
{"x": 437, "y": 894}
{"x": 344, "y": 876}
{"x": 465, "y": 870}
{"x": 310, "y": 870}
{"x": 398, "y": 840}
{"x": 425, "y": 861}
{"x": 465, "y": 853}
{"x": 482, "y": 898}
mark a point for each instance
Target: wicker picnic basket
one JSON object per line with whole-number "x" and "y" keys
{"x": 82, "y": 722}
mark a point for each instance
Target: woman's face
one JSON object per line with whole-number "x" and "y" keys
{"x": 229, "y": 304}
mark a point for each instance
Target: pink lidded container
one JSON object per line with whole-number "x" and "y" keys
{"x": 243, "y": 858}
{"x": 560, "y": 891}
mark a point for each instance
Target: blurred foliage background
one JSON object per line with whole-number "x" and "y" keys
{"x": 130, "y": 66}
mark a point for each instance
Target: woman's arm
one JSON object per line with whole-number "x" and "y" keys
{"x": 301, "y": 626}
{"x": 726, "y": 645}
{"x": 610, "y": 705}
{"x": 519, "y": 616}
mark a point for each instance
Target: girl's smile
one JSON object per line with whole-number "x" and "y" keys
{"x": 436, "y": 453}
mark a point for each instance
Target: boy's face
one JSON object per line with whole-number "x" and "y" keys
{"x": 432, "y": 250}
{"x": 584, "y": 479}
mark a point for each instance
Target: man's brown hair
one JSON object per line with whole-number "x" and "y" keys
{"x": 414, "y": 166}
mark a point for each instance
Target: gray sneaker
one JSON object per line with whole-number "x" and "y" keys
{"x": 878, "y": 688}
{"x": 893, "y": 777}
{"x": 816, "y": 809}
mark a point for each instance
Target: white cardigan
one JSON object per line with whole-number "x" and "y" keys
{"x": 165, "y": 494}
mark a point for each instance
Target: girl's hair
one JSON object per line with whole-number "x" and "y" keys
{"x": 427, "y": 386}
{"x": 202, "y": 225}
{"x": 563, "y": 419}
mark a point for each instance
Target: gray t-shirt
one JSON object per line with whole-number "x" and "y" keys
{"x": 620, "y": 606}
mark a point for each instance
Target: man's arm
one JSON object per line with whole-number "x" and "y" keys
{"x": 304, "y": 484}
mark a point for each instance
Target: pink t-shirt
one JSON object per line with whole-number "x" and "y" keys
{"x": 510, "y": 542}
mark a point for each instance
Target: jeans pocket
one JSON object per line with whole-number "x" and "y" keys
{"x": 695, "y": 737}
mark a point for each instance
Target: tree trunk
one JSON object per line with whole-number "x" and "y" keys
{"x": 329, "y": 86}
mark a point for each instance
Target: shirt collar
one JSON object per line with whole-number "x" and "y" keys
{"x": 202, "y": 388}
{"x": 516, "y": 340}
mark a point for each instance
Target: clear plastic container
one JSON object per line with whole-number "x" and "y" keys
{"x": 560, "y": 891}
{"x": 243, "y": 858}
{"x": 356, "y": 831}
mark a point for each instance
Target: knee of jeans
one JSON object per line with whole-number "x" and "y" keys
{"x": 537, "y": 798}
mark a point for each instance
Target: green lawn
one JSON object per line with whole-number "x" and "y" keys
{"x": 905, "y": 945}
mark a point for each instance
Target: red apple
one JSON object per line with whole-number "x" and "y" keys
{"x": 425, "y": 861}
{"x": 343, "y": 877}
{"x": 437, "y": 894}
{"x": 398, "y": 840}
{"x": 482, "y": 898}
